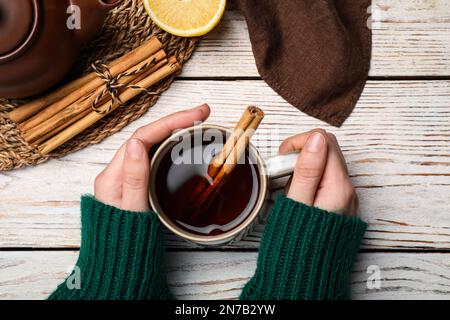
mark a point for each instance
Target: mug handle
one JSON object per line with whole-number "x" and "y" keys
{"x": 281, "y": 166}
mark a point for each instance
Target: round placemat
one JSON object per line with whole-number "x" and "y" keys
{"x": 126, "y": 27}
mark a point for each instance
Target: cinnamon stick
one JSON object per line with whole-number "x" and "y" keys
{"x": 92, "y": 117}
{"x": 225, "y": 161}
{"x": 151, "y": 49}
{"x": 29, "y": 109}
{"x": 249, "y": 115}
{"x": 70, "y": 114}
{"x": 58, "y": 129}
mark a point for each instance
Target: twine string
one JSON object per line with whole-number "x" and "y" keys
{"x": 113, "y": 84}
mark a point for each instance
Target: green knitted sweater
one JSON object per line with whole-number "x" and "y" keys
{"x": 305, "y": 253}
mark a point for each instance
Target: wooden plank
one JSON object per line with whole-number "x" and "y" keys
{"x": 410, "y": 38}
{"x": 221, "y": 275}
{"x": 396, "y": 144}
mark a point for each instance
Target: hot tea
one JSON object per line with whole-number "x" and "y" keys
{"x": 176, "y": 180}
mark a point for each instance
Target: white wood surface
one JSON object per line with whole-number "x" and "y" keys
{"x": 410, "y": 38}
{"x": 221, "y": 275}
{"x": 397, "y": 144}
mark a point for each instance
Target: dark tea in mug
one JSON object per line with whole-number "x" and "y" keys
{"x": 179, "y": 173}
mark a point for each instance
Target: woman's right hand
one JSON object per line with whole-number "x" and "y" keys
{"x": 321, "y": 177}
{"x": 124, "y": 182}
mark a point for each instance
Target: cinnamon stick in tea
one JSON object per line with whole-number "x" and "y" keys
{"x": 225, "y": 161}
{"x": 92, "y": 117}
{"x": 152, "y": 49}
{"x": 249, "y": 115}
{"x": 71, "y": 113}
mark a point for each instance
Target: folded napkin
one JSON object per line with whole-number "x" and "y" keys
{"x": 313, "y": 53}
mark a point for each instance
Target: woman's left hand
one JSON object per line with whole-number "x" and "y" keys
{"x": 124, "y": 182}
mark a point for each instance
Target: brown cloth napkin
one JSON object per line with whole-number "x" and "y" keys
{"x": 313, "y": 53}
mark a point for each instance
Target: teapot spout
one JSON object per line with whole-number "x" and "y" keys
{"x": 91, "y": 15}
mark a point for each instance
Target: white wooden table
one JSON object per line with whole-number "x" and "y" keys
{"x": 397, "y": 143}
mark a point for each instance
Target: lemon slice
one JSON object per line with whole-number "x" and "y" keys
{"x": 186, "y": 18}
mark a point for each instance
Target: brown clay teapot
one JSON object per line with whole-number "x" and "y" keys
{"x": 40, "y": 39}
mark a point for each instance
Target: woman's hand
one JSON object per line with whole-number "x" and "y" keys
{"x": 321, "y": 178}
{"x": 124, "y": 182}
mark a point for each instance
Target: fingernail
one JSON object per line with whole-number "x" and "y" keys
{"x": 315, "y": 142}
{"x": 199, "y": 107}
{"x": 135, "y": 149}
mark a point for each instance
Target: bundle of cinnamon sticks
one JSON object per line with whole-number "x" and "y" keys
{"x": 226, "y": 160}
{"x": 52, "y": 120}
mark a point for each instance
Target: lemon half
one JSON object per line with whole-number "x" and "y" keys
{"x": 186, "y": 18}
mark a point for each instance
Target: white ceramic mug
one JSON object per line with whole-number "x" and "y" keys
{"x": 275, "y": 167}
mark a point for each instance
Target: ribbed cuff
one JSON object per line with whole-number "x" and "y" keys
{"x": 121, "y": 256}
{"x": 306, "y": 253}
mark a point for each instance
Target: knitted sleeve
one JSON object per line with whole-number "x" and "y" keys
{"x": 121, "y": 256}
{"x": 305, "y": 253}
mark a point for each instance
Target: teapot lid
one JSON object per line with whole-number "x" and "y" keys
{"x": 18, "y": 25}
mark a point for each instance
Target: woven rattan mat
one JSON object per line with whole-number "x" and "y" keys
{"x": 126, "y": 27}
